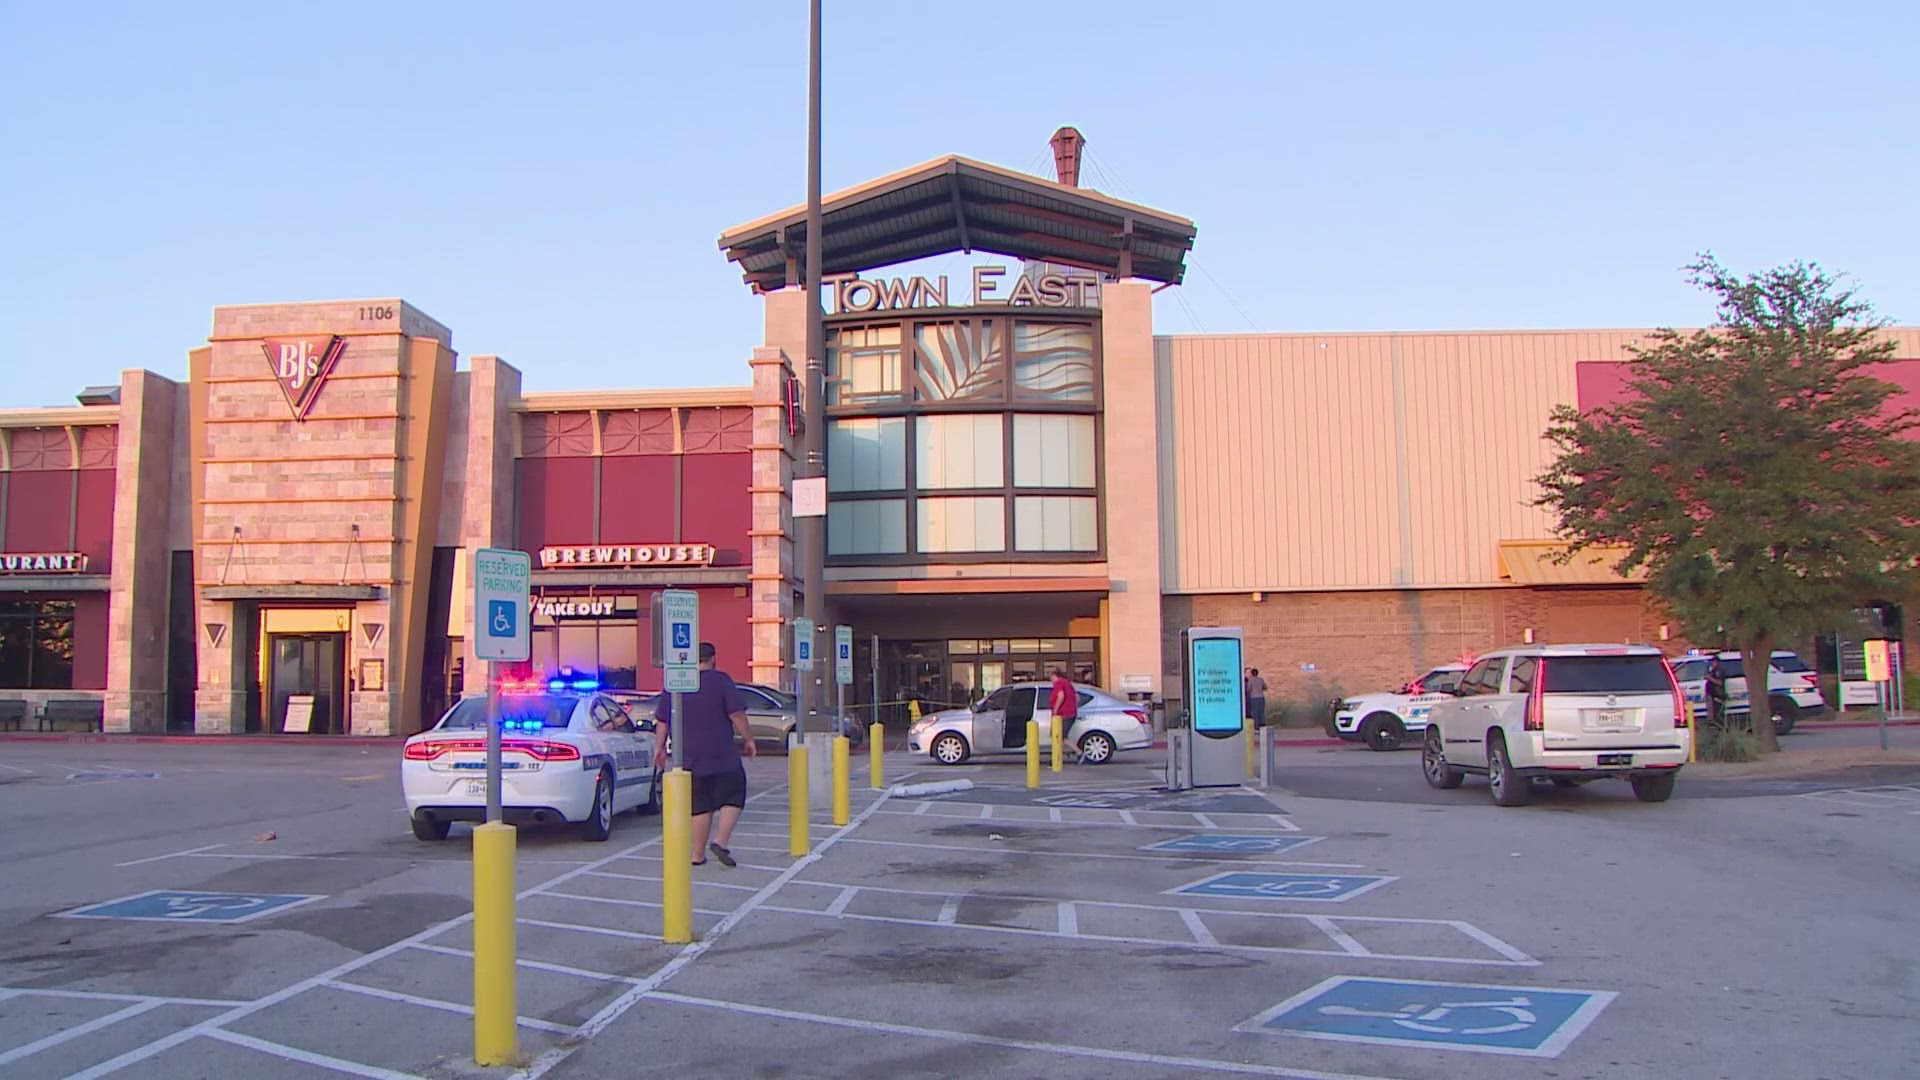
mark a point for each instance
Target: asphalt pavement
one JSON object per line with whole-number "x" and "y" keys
{"x": 266, "y": 913}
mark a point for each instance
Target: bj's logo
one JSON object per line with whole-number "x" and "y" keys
{"x": 300, "y": 365}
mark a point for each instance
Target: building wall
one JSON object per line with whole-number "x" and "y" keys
{"x": 1313, "y": 646}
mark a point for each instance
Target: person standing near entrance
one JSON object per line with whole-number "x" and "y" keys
{"x": 1256, "y": 697}
{"x": 1063, "y": 702}
{"x": 715, "y": 713}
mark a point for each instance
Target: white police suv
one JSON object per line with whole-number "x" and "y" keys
{"x": 1793, "y": 688}
{"x": 1383, "y": 720}
{"x": 568, "y": 754}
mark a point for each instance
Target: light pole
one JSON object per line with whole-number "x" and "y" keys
{"x": 811, "y": 532}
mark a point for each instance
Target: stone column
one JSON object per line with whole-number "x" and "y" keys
{"x": 771, "y": 579}
{"x": 487, "y": 520}
{"x": 137, "y": 624}
{"x": 1132, "y": 442}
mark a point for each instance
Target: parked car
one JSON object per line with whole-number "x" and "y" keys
{"x": 1568, "y": 713}
{"x": 1384, "y": 720}
{"x": 771, "y": 714}
{"x": 565, "y": 757}
{"x": 998, "y": 725}
{"x": 1793, "y": 687}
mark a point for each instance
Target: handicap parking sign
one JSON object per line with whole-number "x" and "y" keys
{"x": 187, "y": 905}
{"x": 1229, "y": 844}
{"x": 501, "y": 616}
{"x": 1244, "y": 885}
{"x": 682, "y": 635}
{"x": 1527, "y": 1021}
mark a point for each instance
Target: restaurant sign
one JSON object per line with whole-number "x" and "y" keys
{"x": 623, "y": 555}
{"x": 301, "y": 365}
{"x": 66, "y": 562}
{"x": 581, "y": 607}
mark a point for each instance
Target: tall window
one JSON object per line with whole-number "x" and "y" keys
{"x": 36, "y": 645}
{"x": 863, "y": 363}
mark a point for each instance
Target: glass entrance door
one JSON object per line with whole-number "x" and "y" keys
{"x": 307, "y": 666}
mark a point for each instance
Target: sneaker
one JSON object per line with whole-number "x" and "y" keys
{"x": 725, "y": 856}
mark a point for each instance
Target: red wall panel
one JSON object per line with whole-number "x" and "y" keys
{"x": 38, "y": 509}
{"x": 556, "y": 502}
{"x": 716, "y": 507}
{"x": 723, "y": 621}
{"x": 96, "y": 518}
{"x": 90, "y": 641}
{"x": 636, "y": 499}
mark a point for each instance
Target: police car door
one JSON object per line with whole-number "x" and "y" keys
{"x": 608, "y": 729}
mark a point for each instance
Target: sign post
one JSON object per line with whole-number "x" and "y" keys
{"x": 677, "y": 641}
{"x": 502, "y": 587}
{"x": 803, "y": 664}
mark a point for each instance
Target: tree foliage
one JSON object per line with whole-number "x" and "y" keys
{"x": 1756, "y": 468}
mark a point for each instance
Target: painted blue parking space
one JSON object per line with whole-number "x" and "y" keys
{"x": 1229, "y": 844}
{"x": 186, "y": 905}
{"x": 1527, "y": 1021}
{"x": 1247, "y": 885}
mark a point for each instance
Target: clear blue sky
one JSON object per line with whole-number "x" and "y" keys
{"x": 549, "y": 179}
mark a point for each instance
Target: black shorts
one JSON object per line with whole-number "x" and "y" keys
{"x": 710, "y": 793}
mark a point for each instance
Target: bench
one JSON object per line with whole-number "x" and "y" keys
{"x": 13, "y": 714}
{"x": 89, "y": 712}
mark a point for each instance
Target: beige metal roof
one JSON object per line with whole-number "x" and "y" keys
{"x": 1537, "y": 562}
{"x": 957, "y": 204}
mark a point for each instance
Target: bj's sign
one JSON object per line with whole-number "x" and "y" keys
{"x": 301, "y": 366}
{"x": 627, "y": 555}
{"x": 65, "y": 562}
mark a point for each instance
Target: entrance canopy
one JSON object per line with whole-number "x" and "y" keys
{"x": 955, "y": 204}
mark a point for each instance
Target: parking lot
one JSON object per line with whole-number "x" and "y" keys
{"x": 1097, "y": 927}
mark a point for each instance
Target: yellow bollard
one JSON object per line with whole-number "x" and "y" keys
{"x": 1252, "y": 735}
{"x": 676, "y": 857}
{"x": 1033, "y": 753}
{"x": 842, "y": 750}
{"x": 1693, "y": 733}
{"x": 496, "y": 1021}
{"x": 797, "y": 840}
{"x": 1058, "y": 736}
{"x": 876, "y": 751}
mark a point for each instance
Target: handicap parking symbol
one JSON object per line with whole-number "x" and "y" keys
{"x": 1528, "y": 1021}
{"x": 1245, "y": 885}
{"x": 501, "y": 618}
{"x": 1227, "y": 844}
{"x": 682, "y": 635}
{"x": 185, "y": 905}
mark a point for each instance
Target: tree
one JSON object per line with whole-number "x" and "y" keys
{"x": 1756, "y": 468}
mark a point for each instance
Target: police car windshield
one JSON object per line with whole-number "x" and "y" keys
{"x": 521, "y": 710}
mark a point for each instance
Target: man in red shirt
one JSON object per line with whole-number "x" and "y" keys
{"x": 1064, "y": 701}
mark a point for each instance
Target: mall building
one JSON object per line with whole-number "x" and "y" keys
{"x": 1023, "y": 475}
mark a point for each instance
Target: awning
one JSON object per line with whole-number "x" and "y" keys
{"x": 1536, "y": 562}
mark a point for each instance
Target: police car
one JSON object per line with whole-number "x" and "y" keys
{"x": 568, "y": 754}
{"x": 1383, "y": 720}
{"x": 1793, "y": 688}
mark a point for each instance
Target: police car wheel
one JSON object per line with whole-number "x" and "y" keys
{"x": 599, "y": 823}
{"x": 426, "y": 828}
{"x": 1785, "y": 715}
{"x": 1383, "y": 731}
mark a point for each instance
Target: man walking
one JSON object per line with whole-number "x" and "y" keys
{"x": 1063, "y": 701}
{"x": 715, "y": 714}
{"x": 1256, "y": 697}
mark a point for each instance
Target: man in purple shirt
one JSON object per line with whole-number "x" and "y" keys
{"x": 714, "y": 714}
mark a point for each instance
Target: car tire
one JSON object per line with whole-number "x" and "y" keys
{"x": 1383, "y": 732}
{"x": 1096, "y": 748}
{"x": 426, "y": 828}
{"x": 1433, "y": 762}
{"x": 1786, "y": 713}
{"x": 1508, "y": 787}
{"x": 652, "y": 805}
{"x": 950, "y": 749}
{"x": 599, "y": 823}
{"x": 1653, "y": 788}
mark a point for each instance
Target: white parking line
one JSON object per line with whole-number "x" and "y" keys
{"x": 1130, "y": 1057}
{"x": 840, "y": 902}
{"x": 607, "y": 931}
{"x": 949, "y": 911}
{"x": 623, "y": 903}
{"x": 1205, "y": 821}
{"x": 1198, "y": 928}
{"x": 1069, "y": 919}
{"x": 1163, "y": 857}
{"x": 1127, "y": 816}
{"x": 1348, "y": 941}
{"x": 101, "y": 995}
{"x": 535, "y": 965}
{"x": 435, "y": 1003}
{"x": 170, "y": 855}
{"x": 306, "y": 1057}
{"x": 77, "y": 1031}
{"x": 923, "y": 808}
{"x": 18, "y": 769}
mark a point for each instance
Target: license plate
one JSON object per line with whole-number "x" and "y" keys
{"x": 476, "y": 787}
{"x": 1616, "y": 759}
{"x": 1607, "y": 719}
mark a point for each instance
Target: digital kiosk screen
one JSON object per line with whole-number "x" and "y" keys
{"x": 1217, "y": 708}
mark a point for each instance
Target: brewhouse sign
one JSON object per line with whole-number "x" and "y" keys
{"x": 300, "y": 365}
{"x": 853, "y": 294}
{"x": 628, "y": 555}
{"x": 65, "y": 562}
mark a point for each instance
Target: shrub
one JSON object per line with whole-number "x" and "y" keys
{"x": 1732, "y": 743}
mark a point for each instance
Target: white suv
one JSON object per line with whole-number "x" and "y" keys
{"x": 1793, "y": 688}
{"x": 1568, "y": 713}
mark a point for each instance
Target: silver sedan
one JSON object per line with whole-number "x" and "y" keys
{"x": 998, "y": 725}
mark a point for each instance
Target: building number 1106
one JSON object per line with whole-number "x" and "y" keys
{"x": 382, "y": 311}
